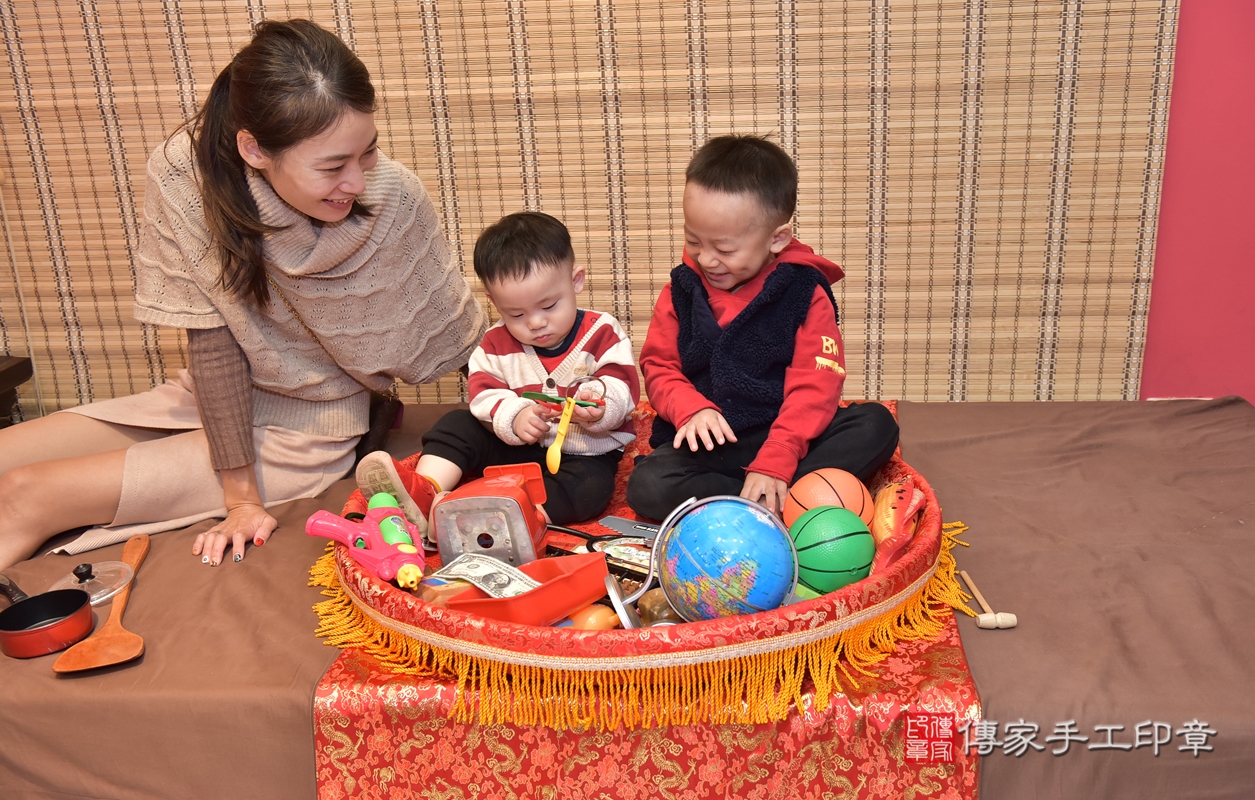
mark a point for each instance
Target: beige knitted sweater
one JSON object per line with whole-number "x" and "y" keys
{"x": 381, "y": 293}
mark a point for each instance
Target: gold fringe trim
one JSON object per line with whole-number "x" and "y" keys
{"x": 751, "y": 689}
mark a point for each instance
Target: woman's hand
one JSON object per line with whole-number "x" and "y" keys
{"x": 532, "y": 423}
{"x": 244, "y": 522}
{"x": 765, "y": 490}
{"x": 707, "y": 425}
{"x": 246, "y": 519}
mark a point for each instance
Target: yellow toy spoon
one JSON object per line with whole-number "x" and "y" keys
{"x": 553, "y": 456}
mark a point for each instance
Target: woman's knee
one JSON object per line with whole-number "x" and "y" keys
{"x": 25, "y": 502}
{"x": 53, "y": 496}
{"x": 44, "y": 498}
{"x": 21, "y": 528}
{"x": 16, "y": 490}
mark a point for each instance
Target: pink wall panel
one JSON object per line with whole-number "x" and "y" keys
{"x": 1201, "y": 338}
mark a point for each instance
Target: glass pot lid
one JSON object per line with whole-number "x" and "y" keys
{"x": 101, "y": 580}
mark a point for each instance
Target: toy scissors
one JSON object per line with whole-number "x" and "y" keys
{"x": 556, "y": 403}
{"x": 553, "y": 456}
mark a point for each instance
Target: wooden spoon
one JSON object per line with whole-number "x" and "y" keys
{"x": 111, "y": 644}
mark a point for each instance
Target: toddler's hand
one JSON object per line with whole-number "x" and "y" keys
{"x": 532, "y": 423}
{"x": 708, "y": 425}
{"x": 765, "y": 490}
{"x": 587, "y": 415}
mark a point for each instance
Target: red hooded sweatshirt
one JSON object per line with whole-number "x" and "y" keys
{"x": 812, "y": 384}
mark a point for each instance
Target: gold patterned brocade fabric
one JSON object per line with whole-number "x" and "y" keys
{"x": 382, "y": 735}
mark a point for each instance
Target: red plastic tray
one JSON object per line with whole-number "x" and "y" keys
{"x": 567, "y": 584}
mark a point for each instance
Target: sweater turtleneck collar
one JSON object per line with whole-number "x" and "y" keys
{"x": 303, "y": 248}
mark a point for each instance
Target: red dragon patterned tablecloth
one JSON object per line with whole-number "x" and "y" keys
{"x": 379, "y": 734}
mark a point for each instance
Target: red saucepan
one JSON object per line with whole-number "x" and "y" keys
{"x": 45, "y": 623}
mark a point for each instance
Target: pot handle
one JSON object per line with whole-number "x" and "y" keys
{"x": 10, "y": 590}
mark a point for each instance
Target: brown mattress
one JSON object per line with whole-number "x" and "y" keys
{"x": 1115, "y": 532}
{"x": 1121, "y": 536}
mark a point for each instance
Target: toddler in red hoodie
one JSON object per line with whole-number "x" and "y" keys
{"x": 743, "y": 360}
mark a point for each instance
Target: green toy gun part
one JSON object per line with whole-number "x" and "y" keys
{"x": 391, "y": 528}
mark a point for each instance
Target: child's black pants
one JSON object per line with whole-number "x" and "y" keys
{"x": 860, "y": 438}
{"x": 581, "y": 489}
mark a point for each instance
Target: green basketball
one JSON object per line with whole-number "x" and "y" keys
{"x": 834, "y": 548}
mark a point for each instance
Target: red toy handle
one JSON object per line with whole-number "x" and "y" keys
{"x": 533, "y": 481}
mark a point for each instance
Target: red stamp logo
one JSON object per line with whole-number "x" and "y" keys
{"x": 929, "y": 737}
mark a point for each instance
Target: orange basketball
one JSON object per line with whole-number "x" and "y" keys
{"x": 828, "y": 487}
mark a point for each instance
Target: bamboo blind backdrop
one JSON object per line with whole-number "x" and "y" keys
{"x": 987, "y": 172}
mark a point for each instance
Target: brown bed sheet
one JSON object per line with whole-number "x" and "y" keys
{"x": 1120, "y": 534}
{"x": 221, "y": 703}
{"x": 1115, "y": 531}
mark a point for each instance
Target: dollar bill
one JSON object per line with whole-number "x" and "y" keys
{"x": 496, "y": 578}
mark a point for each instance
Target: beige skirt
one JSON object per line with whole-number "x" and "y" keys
{"x": 169, "y": 483}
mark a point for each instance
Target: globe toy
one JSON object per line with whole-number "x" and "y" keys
{"x": 827, "y": 487}
{"x": 724, "y": 556}
{"x": 834, "y": 548}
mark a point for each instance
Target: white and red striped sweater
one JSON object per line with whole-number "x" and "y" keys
{"x": 502, "y": 368}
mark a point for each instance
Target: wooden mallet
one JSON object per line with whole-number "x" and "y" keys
{"x": 989, "y": 619}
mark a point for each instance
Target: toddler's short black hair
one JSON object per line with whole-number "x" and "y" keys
{"x": 738, "y": 164}
{"x": 518, "y": 243}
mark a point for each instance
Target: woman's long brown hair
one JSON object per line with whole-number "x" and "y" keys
{"x": 294, "y": 80}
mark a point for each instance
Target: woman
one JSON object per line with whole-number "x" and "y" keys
{"x": 306, "y": 268}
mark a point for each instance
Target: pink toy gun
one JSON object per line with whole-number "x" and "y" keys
{"x": 383, "y": 542}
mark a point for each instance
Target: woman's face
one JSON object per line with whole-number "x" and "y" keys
{"x": 321, "y": 176}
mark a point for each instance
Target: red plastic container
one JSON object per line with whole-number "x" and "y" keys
{"x": 567, "y": 584}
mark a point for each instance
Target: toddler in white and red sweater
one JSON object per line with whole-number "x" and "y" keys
{"x": 543, "y": 343}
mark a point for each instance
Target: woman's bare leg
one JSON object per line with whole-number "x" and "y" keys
{"x": 65, "y": 436}
{"x": 57, "y": 473}
{"x": 38, "y": 501}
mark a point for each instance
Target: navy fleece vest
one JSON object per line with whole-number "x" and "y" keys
{"x": 741, "y": 368}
